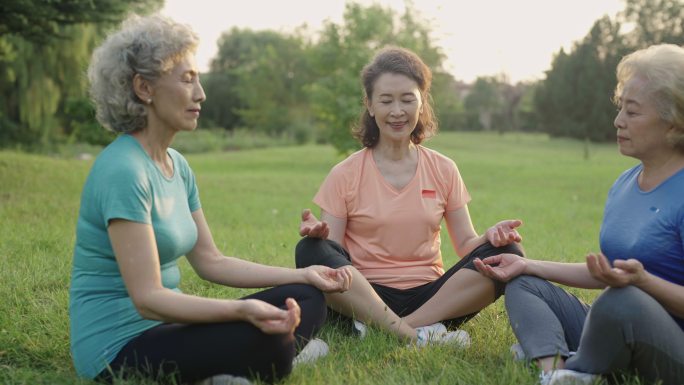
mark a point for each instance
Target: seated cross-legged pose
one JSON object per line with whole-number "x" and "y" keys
{"x": 636, "y": 325}
{"x": 381, "y": 212}
{"x": 140, "y": 212}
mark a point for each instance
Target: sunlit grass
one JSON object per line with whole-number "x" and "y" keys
{"x": 252, "y": 200}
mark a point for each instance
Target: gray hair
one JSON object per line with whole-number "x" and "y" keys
{"x": 149, "y": 46}
{"x": 662, "y": 65}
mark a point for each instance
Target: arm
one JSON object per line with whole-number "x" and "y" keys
{"x": 632, "y": 272}
{"x": 135, "y": 249}
{"x": 465, "y": 239}
{"x": 337, "y": 226}
{"x": 213, "y": 266}
{"x": 509, "y": 266}
{"x": 329, "y": 227}
{"x": 310, "y": 226}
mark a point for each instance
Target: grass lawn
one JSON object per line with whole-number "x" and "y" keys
{"x": 252, "y": 200}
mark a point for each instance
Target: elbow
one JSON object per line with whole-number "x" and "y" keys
{"x": 147, "y": 313}
{"x": 144, "y": 306}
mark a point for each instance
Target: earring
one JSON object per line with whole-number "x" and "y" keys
{"x": 149, "y": 101}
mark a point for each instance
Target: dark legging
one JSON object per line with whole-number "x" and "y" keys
{"x": 185, "y": 353}
{"x": 625, "y": 330}
{"x": 314, "y": 251}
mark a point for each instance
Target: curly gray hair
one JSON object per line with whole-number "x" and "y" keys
{"x": 149, "y": 46}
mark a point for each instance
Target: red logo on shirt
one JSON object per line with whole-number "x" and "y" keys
{"x": 431, "y": 194}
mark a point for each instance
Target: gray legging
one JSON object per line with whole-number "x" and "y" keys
{"x": 625, "y": 330}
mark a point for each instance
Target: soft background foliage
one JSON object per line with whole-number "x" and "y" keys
{"x": 303, "y": 86}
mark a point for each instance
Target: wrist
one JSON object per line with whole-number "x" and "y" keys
{"x": 531, "y": 267}
{"x": 302, "y": 275}
{"x": 644, "y": 280}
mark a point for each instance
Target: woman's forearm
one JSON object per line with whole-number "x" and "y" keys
{"x": 236, "y": 272}
{"x": 171, "y": 306}
{"x": 569, "y": 274}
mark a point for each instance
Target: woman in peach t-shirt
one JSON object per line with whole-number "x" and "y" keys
{"x": 381, "y": 211}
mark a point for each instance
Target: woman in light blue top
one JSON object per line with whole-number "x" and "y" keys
{"x": 637, "y": 324}
{"x": 140, "y": 212}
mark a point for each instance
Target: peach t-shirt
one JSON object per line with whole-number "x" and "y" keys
{"x": 393, "y": 235}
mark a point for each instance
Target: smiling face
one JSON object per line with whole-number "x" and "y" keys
{"x": 641, "y": 132}
{"x": 176, "y": 97}
{"x": 395, "y": 105}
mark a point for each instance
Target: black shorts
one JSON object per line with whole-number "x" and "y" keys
{"x": 313, "y": 251}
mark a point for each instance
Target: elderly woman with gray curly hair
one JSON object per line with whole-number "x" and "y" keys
{"x": 140, "y": 212}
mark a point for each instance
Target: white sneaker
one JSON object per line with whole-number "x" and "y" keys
{"x": 430, "y": 333}
{"x": 566, "y": 377}
{"x": 458, "y": 338}
{"x": 315, "y": 349}
{"x": 224, "y": 379}
{"x": 360, "y": 329}
{"x": 437, "y": 334}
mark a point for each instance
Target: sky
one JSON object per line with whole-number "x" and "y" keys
{"x": 517, "y": 38}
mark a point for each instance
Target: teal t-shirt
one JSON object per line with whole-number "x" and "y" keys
{"x": 124, "y": 183}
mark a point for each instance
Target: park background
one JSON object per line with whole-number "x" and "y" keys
{"x": 278, "y": 115}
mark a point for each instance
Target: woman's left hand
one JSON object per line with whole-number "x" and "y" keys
{"x": 329, "y": 280}
{"x": 622, "y": 273}
{"x": 504, "y": 233}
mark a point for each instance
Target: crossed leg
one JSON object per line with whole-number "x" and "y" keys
{"x": 460, "y": 292}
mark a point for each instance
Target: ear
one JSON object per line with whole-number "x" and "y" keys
{"x": 142, "y": 88}
{"x": 369, "y": 107}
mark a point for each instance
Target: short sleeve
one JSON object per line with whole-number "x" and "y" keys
{"x": 331, "y": 196}
{"x": 193, "y": 193}
{"x": 125, "y": 193}
{"x": 189, "y": 180}
{"x": 458, "y": 195}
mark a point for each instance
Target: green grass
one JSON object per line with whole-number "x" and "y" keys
{"x": 252, "y": 200}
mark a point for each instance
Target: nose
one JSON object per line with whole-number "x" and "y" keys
{"x": 396, "y": 109}
{"x": 199, "y": 95}
{"x": 619, "y": 121}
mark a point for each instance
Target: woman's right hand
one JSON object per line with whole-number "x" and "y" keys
{"x": 509, "y": 266}
{"x": 504, "y": 233}
{"x": 310, "y": 226}
{"x": 270, "y": 319}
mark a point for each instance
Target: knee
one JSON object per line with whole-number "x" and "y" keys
{"x": 316, "y": 251}
{"x": 314, "y": 298}
{"x": 306, "y": 250}
{"x": 524, "y": 283}
{"x": 619, "y": 305}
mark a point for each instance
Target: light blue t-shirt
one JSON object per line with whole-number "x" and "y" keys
{"x": 647, "y": 225}
{"x": 124, "y": 183}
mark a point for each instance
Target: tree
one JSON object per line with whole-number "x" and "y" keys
{"x": 343, "y": 50}
{"x": 575, "y": 98}
{"x": 44, "y": 51}
{"x": 263, "y": 74}
{"x": 484, "y": 103}
{"x": 655, "y": 21}
{"x": 39, "y": 20}
{"x": 447, "y": 101}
